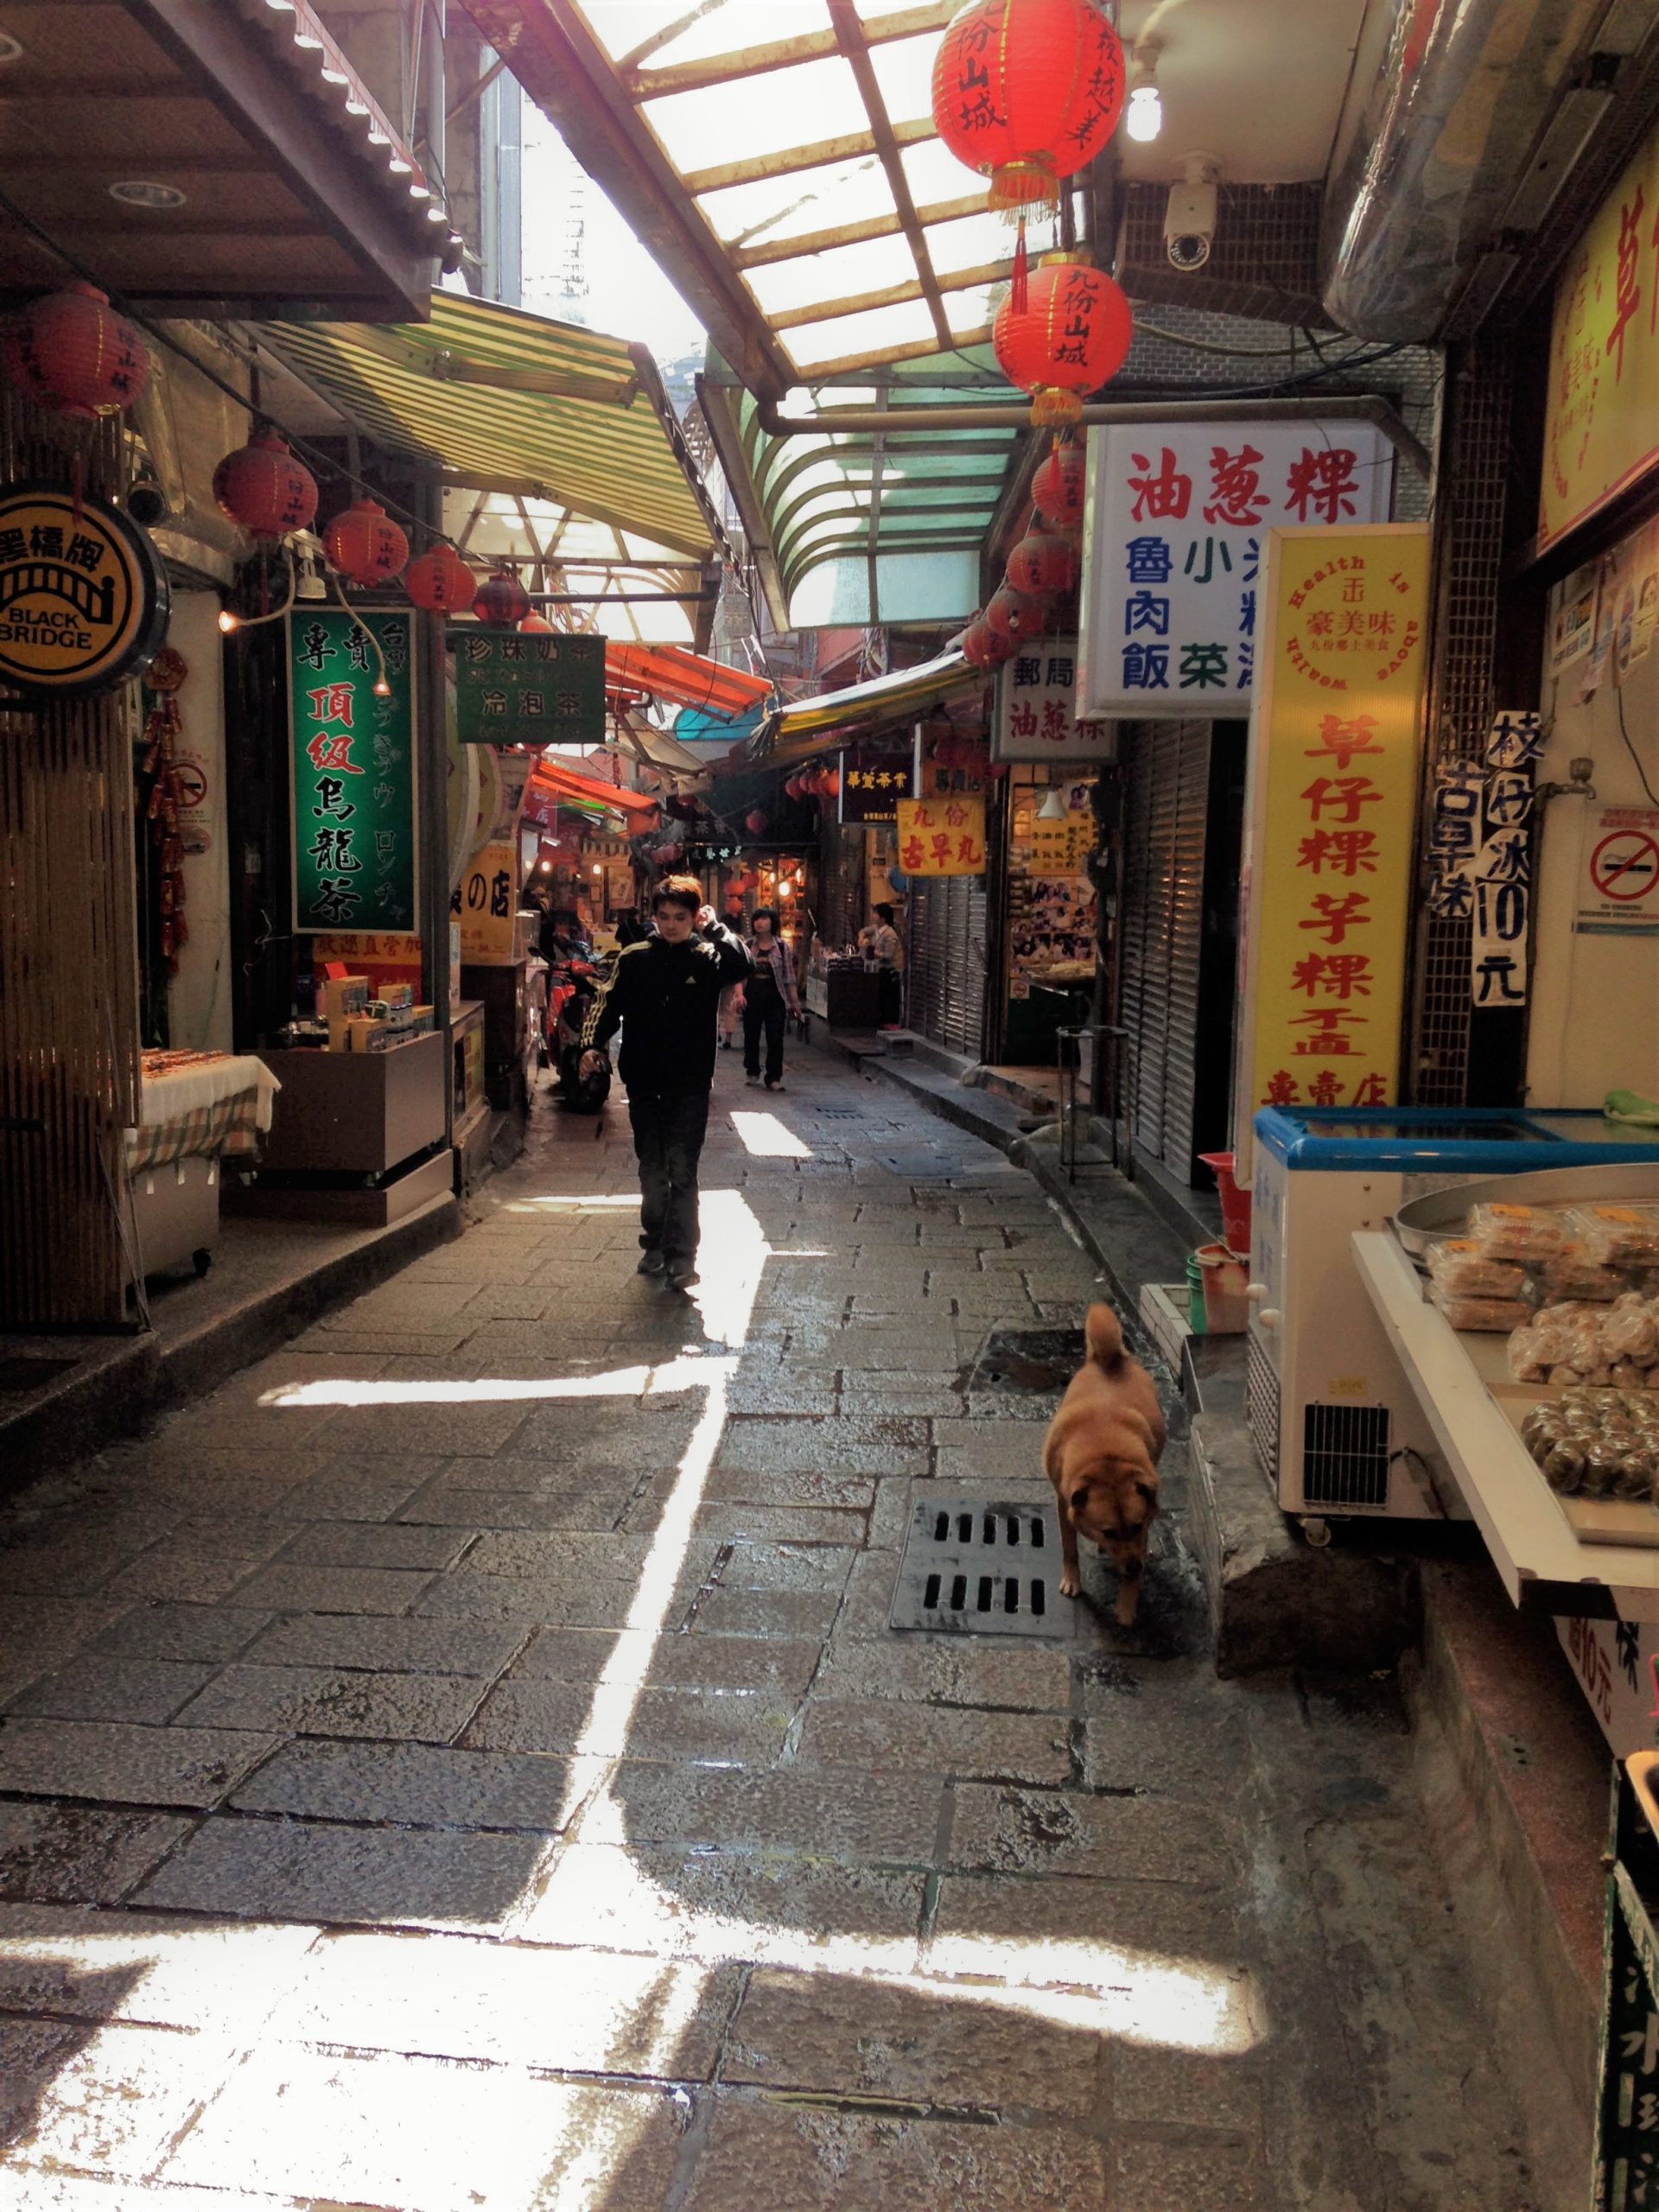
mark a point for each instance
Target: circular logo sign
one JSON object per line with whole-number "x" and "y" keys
{"x": 1622, "y": 866}
{"x": 83, "y": 595}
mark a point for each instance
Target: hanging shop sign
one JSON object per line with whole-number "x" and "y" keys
{"x": 539, "y": 689}
{"x": 872, "y": 783}
{"x": 84, "y": 600}
{"x": 942, "y": 837}
{"x": 1603, "y": 403}
{"x": 1036, "y": 708}
{"x": 354, "y": 770}
{"x": 487, "y": 907}
{"x": 1175, "y": 528}
{"x": 1333, "y": 767}
{"x": 1479, "y": 852}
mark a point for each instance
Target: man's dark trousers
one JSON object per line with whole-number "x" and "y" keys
{"x": 763, "y": 1008}
{"x": 669, "y": 1127}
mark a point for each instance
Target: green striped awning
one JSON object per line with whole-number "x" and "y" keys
{"x": 509, "y": 402}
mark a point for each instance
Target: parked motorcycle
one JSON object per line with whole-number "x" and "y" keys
{"x": 571, "y": 989}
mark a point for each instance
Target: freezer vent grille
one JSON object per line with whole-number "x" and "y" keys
{"x": 1262, "y": 1403}
{"x": 1345, "y": 1456}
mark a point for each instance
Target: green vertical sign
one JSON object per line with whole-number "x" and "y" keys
{"x": 354, "y": 757}
{"x": 543, "y": 688}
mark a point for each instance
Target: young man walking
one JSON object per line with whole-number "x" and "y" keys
{"x": 769, "y": 998}
{"x": 666, "y": 990}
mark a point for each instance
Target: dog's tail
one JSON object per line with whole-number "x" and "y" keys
{"x": 1103, "y": 1336}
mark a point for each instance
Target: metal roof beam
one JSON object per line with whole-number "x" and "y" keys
{"x": 803, "y": 243}
{"x": 893, "y": 295}
{"x": 817, "y": 373}
{"x": 790, "y": 161}
{"x": 777, "y": 53}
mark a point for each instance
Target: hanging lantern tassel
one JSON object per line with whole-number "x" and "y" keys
{"x": 1019, "y": 290}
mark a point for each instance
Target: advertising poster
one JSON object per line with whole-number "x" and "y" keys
{"x": 1332, "y": 812}
{"x": 354, "y": 770}
{"x": 942, "y": 837}
{"x": 1176, "y": 526}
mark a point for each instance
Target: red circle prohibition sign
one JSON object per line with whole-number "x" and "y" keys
{"x": 1623, "y": 866}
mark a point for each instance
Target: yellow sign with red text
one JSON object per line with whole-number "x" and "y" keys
{"x": 1334, "y": 777}
{"x": 1601, "y": 422}
{"x": 942, "y": 837}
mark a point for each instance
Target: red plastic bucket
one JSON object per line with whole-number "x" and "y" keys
{"x": 1235, "y": 1203}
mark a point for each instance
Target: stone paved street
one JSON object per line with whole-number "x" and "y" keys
{"x": 464, "y": 1762}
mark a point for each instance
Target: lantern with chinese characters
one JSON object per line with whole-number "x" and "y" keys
{"x": 755, "y": 822}
{"x": 1011, "y": 612}
{"x": 502, "y": 601}
{"x": 1072, "y": 334}
{"x": 1057, "y": 488}
{"x": 72, "y": 353}
{"x": 365, "y": 544}
{"x": 1043, "y": 561}
{"x": 440, "y": 582}
{"x": 1028, "y": 92}
{"x": 983, "y": 647}
{"x": 263, "y": 487}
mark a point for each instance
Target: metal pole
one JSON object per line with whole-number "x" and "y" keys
{"x": 432, "y": 783}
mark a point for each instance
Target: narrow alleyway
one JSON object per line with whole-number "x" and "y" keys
{"x": 464, "y": 1762}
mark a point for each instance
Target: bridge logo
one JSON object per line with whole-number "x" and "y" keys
{"x": 83, "y": 595}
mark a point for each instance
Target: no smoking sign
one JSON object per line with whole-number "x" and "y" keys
{"x": 1618, "y": 895}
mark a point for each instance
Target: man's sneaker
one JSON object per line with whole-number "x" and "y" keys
{"x": 777, "y": 1085}
{"x": 682, "y": 1275}
{"x": 751, "y": 1080}
{"x": 652, "y": 1263}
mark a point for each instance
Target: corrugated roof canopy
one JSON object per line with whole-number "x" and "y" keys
{"x": 862, "y": 709}
{"x": 514, "y": 402}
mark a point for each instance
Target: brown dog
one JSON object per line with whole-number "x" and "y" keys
{"x": 1102, "y": 1456}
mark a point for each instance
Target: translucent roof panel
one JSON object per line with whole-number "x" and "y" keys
{"x": 747, "y": 118}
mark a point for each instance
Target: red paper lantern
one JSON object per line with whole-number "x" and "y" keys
{"x": 983, "y": 647}
{"x": 365, "y": 544}
{"x": 1057, "y": 488}
{"x": 537, "y": 624}
{"x": 791, "y": 787}
{"x": 501, "y": 602}
{"x": 72, "y": 353}
{"x": 1042, "y": 561}
{"x": 1026, "y": 91}
{"x": 1071, "y": 336}
{"x": 755, "y": 822}
{"x": 666, "y": 855}
{"x": 1014, "y": 613}
{"x": 440, "y": 582}
{"x": 830, "y": 787}
{"x": 263, "y": 487}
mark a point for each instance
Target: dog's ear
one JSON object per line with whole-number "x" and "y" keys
{"x": 1148, "y": 1491}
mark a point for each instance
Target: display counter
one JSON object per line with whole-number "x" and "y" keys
{"x": 846, "y": 994}
{"x": 357, "y": 1113}
{"x": 194, "y": 1109}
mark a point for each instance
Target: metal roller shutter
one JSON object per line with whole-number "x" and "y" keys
{"x": 947, "y": 962}
{"x": 1167, "y": 799}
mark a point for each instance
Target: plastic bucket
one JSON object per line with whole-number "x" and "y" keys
{"x": 1226, "y": 1307}
{"x": 1235, "y": 1203}
{"x": 1195, "y": 1299}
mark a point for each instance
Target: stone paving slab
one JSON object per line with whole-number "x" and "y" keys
{"x": 418, "y": 1785}
{"x": 120, "y": 1765}
{"x": 882, "y": 1736}
{"x": 891, "y": 1819}
{"x": 80, "y": 1854}
{"x": 385, "y": 1644}
{"x": 735, "y": 1728}
{"x": 95, "y": 1688}
{"x": 337, "y": 1701}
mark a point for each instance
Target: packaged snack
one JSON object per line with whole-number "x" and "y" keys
{"x": 1527, "y": 1363}
{"x": 1630, "y": 1333}
{"x": 1460, "y": 1268}
{"x": 1517, "y": 1232}
{"x": 1563, "y": 1469}
{"x": 1617, "y": 1237}
{"x": 1574, "y": 1274}
{"x": 1486, "y": 1315}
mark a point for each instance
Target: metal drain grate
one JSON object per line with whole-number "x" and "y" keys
{"x": 840, "y": 1114}
{"x": 981, "y": 1567}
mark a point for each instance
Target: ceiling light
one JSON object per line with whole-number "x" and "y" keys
{"x": 308, "y": 38}
{"x": 398, "y": 165}
{"x": 11, "y": 49}
{"x": 1145, "y": 117}
{"x": 419, "y": 191}
{"x": 227, "y": 621}
{"x": 137, "y": 192}
{"x": 436, "y": 215}
{"x": 356, "y": 105}
{"x": 1054, "y": 808}
{"x": 334, "y": 76}
{"x": 281, "y": 7}
{"x": 377, "y": 136}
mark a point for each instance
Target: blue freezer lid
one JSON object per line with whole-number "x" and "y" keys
{"x": 1439, "y": 1140}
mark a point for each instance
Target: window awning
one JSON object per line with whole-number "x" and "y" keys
{"x": 557, "y": 781}
{"x": 657, "y": 750}
{"x": 814, "y": 725}
{"x": 508, "y": 401}
{"x": 682, "y": 679}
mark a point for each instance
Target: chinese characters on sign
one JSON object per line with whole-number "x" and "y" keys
{"x": 1036, "y": 718}
{"x": 1333, "y": 778}
{"x": 487, "y": 903}
{"x": 1604, "y": 356}
{"x": 942, "y": 837}
{"x": 537, "y": 689}
{"x": 84, "y": 597}
{"x": 1177, "y": 523}
{"x": 872, "y": 783}
{"x": 1480, "y": 856}
{"x": 354, "y": 769}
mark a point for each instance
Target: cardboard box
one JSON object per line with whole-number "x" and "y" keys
{"x": 345, "y": 998}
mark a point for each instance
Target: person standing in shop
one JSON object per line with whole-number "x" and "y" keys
{"x": 880, "y": 942}
{"x": 769, "y": 999}
{"x": 664, "y": 992}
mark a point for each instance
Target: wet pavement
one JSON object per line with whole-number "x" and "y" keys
{"x": 464, "y": 1762}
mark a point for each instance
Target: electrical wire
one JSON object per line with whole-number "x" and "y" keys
{"x": 1618, "y": 700}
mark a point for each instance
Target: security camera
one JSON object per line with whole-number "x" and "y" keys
{"x": 1190, "y": 218}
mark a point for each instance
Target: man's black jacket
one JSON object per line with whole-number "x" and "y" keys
{"x": 667, "y": 994}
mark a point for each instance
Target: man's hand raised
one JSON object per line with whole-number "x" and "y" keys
{"x": 705, "y": 915}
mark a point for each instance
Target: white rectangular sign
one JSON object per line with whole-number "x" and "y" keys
{"x": 1175, "y": 525}
{"x": 1036, "y": 693}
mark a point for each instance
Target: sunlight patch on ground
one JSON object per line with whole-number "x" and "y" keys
{"x": 765, "y": 1137}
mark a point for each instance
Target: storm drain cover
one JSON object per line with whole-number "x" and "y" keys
{"x": 981, "y": 1567}
{"x": 841, "y": 1113}
{"x": 1028, "y": 1362}
{"x": 922, "y": 1166}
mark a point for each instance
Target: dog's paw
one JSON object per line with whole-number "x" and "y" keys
{"x": 1069, "y": 1585}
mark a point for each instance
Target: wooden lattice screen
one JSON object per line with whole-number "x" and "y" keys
{"x": 68, "y": 970}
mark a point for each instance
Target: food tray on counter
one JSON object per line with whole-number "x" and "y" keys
{"x": 1592, "y": 1520}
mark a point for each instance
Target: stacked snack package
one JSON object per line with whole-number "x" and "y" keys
{"x": 1576, "y": 1288}
{"x": 1473, "y": 1289}
{"x": 1597, "y": 1443}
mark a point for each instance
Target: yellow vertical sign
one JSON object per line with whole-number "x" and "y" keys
{"x": 941, "y": 836}
{"x": 1602, "y": 406}
{"x": 1334, "y": 774}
